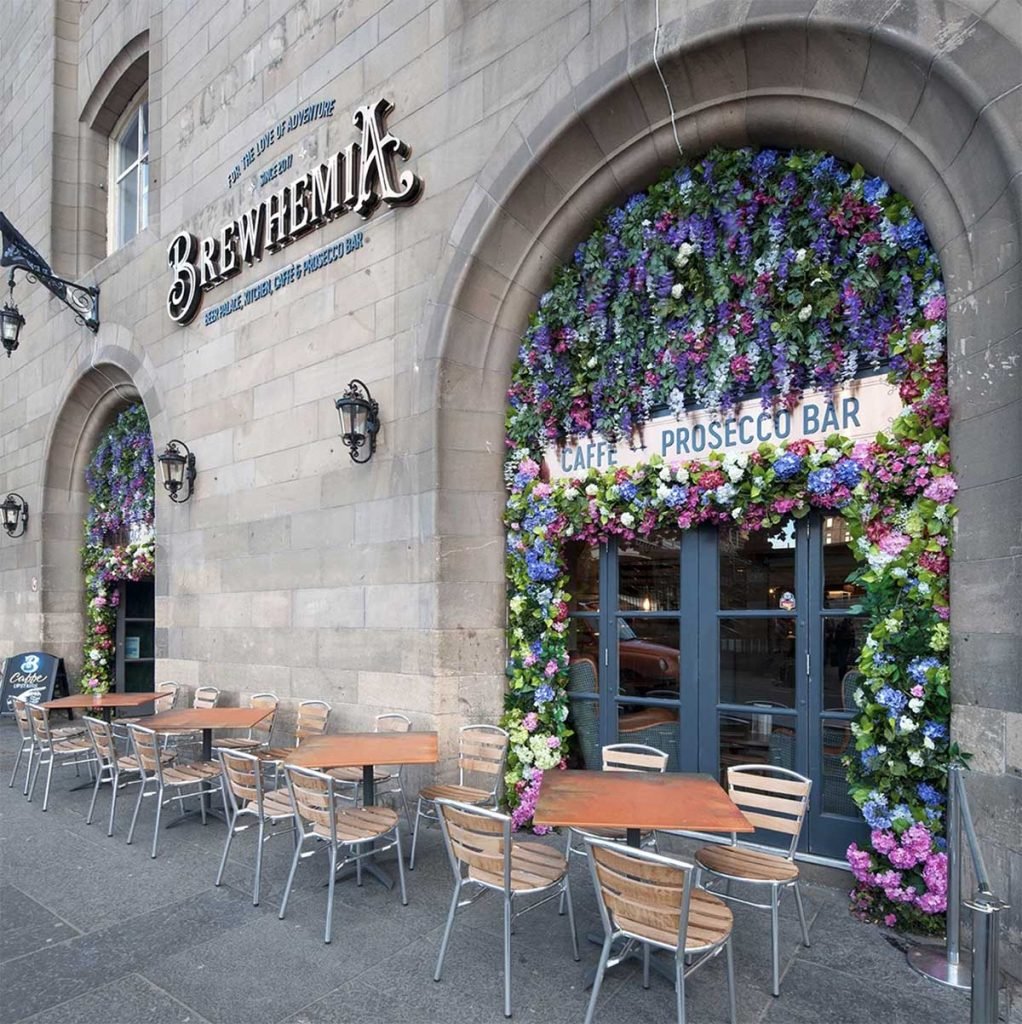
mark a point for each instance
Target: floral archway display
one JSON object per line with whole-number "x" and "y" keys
{"x": 752, "y": 273}
{"x": 119, "y": 539}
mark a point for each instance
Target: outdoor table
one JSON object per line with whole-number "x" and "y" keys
{"x": 206, "y": 720}
{"x": 637, "y": 801}
{"x": 104, "y": 702}
{"x": 365, "y": 750}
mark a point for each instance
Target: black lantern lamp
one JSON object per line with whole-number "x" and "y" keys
{"x": 15, "y": 514}
{"x": 178, "y": 469}
{"x": 359, "y": 413}
{"x": 11, "y": 321}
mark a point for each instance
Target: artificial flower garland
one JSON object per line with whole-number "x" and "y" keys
{"x": 760, "y": 272}
{"x": 119, "y": 541}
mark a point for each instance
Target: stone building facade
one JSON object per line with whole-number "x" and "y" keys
{"x": 381, "y": 586}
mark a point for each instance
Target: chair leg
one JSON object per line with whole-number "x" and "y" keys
{"x": 92, "y": 803}
{"x": 679, "y": 988}
{"x": 447, "y": 931}
{"x": 415, "y": 837}
{"x": 17, "y": 761}
{"x": 299, "y": 840}
{"x": 34, "y": 772}
{"x": 400, "y": 866}
{"x": 775, "y": 938}
{"x": 156, "y": 827}
{"x": 134, "y": 816}
{"x": 507, "y": 956}
{"x": 49, "y": 779}
{"x": 227, "y": 849}
{"x": 567, "y": 860}
{"x": 259, "y": 863}
{"x": 571, "y": 916}
{"x": 114, "y": 786}
{"x": 801, "y": 915}
{"x": 732, "y": 1002}
{"x": 645, "y": 965}
{"x": 601, "y": 967}
{"x": 28, "y": 769}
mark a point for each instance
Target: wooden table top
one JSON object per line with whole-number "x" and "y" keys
{"x": 638, "y": 800}
{"x": 357, "y": 749}
{"x": 102, "y": 700}
{"x": 206, "y": 718}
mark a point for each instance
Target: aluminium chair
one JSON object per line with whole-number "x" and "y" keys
{"x": 313, "y": 718}
{"x": 112, "y": 765}
{"x": 651, "y": 900}
{"x": 482, "y": 750}
{"x": 26, "y": 741}
{"x": 483, "y": 855}
{"x": 49, "y": 749}
{"x": 259, "y": 735}
{"x": 204, "y": 697}
{"x": 165, "y": 702}
{"x": 247, "y": 796}
{"x": 774, "y": 799}
{"x": 386, "y": 779}
{"x": 182, "y": 780}
{"x": 351, "y": 831}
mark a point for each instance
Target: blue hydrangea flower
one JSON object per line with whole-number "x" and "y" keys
{"x": 918, "y": 667}
{"x": 901, "y": 813}
{"x": 874, "y": 810}
{"x": 892, "y": 699}
{"x": 930, "y": 795}
{"x": 543, "y": 695}
{"x": 867, "y": 757}
{"x": 821, "y": 481}
{"x": 787, "y": 466}
{"x": 874, "y": 189}
{"x": 676, "y": 496}
{"x": 627, "y": 490}
{"x": 935, "y": 731}
{"x": 847, "y": 472}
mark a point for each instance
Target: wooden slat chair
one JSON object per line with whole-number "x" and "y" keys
{"x": 165, "y": 702}
{"x": 650, "y": 899}
{"x": 50, "y": 749}
{"x": 482, "y": 750}
{"x": 483, "y": 855}
{"x": 27, "y": 741}
{"x": 313, "y": 719}
{"x": 112, "y": 765}
{"x": 774, "y": 799}
{"x": 183, "y": 780}
{"x": 245, "y": 792}
{"x": 352, "y": 831}
{"x": 259, "y": 735}
{"x": 204, "y": 697}
{"x": 386, "y": 779}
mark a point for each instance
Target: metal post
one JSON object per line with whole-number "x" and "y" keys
{"x": 986, "y": 976}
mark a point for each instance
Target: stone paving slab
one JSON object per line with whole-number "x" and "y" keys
{"x": 93, "y": 930}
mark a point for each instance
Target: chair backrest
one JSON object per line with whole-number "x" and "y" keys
{"x": 392, "y": 722}
{"x": 312, "y": 794}
{"x": 585, "y": 713}
{"x": 40, "y": 721}
{"x": 771, "y": 798}
{"x": 206, "y": 697}
{"x": 482, "y": 750}
{"x": 102, "y": 735}
{"x": 243, "y": 778}
{"x": 265, "y": 727}
{"x": 633, "y": 757}
{"x": 641, "y": 893}
{"x": 169, "y": 695}
{"x": 477, "y": 838}
{"x": 20, "y": 708}
{"x": 145, "y": 742}
{"x": 313, "y": 716}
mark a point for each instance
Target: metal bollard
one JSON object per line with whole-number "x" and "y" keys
{"x": 986, "y": 967}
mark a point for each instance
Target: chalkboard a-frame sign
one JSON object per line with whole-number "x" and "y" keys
{"x": 35, "y": 675}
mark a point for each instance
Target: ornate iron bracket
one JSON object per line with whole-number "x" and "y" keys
{"x": 18, "y": 254}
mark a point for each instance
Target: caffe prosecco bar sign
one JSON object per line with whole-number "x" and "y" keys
{"x": 357, "y": 178}
{"x": 860, "y": 411}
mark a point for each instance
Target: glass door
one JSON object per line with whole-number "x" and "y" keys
{"x": 135, "y": 667}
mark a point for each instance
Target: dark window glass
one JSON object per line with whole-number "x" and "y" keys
{"x": 648, "y": 575}
{"x": 843, "y": 637}
{"x": 583, "y": 564}
{"x": 762, "y": 738}
{"x": 837, "y": 741}
{"x": 757, "y": 571}
{"x": 757, "y": 661}
{"x": 838, "y": 564}
{"x": 649, "y": 657}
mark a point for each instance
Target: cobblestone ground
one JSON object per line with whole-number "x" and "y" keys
{"x": 93, "y": 930}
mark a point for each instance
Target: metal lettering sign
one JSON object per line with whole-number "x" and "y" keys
{"x": 858, "y": 410}
{"x": 357, "y": 178}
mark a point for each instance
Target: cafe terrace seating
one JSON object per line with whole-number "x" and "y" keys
{"x": 650, "y": 899}
{"x": 26, "y": 744}
{"x": 483, "y": 855}
{"x": 482, "y": 750}
{"x": 49, "y": 749}
{"x": 259, "y": 735}
{"x": 350, "y": 831}
{"x": 205, "y": 697}
{"x": 165, "y": 702}
{"x": 774, "y": 799}
{"x": 385, "y": 779}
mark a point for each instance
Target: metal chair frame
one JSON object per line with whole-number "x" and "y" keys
{"x": 27, "y": 743}
{"x": 761, "y": 818}
{"x": 146, "y": 745}
{"x": 325, "y": 813}
{"x": 467, "y": 758}
{"x": 50, "y": 748}
{"x": 167, "y": 691}
{"x": 687, "y": 959}
{"x": 386, "y": 781}
{"x": 244, "y": 792}
{"x": 496, "y": 833}
{"x": 260, "y": 734}
{"x": 304, "y": 727}
{"x": 204, "y": 697}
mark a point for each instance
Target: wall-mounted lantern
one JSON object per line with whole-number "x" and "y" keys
{"x": 359, "y": 414}
{"x": 11, "y": 321}
{"x": 178, "y": 469}
{"x": 15, "y": 514}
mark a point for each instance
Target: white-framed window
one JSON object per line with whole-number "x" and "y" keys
{"x": 129, "y": 162}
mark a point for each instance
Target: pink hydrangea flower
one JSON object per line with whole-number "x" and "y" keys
{"x": 917, "y": 691}
{"x": 551, "y": 668}
{"x": 894, "y": 542}
{"x": 531, "y": 722}
{"x": 941, "y": 488}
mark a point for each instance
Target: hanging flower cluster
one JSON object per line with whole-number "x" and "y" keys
{"x": 119, "y": 542}
{"x": 733, "y": 308}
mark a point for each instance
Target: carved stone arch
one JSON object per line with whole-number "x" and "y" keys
{"x": 932, "y": 118}
{"x": 96, "y": 387}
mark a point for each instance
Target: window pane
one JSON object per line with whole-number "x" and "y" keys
{"x": 756, "y": 739}
{"x": 649, "y": 657}
{"x": 648, "y": 575}
{"x": 583, "y": 565}
{"x": 144, "y": 115}
{"x": 837, "y": 742}
{"x": 842, "y": 641}
{"x": 757, "y": 661}
{"x": 143, "y": 208}
{"x": 583, "y": 637}
{"x": 127, "y": 208}
{"x": 758, "y": 570}
{"x": 838, "y": 564}
{"x": 127, "y": 145}
{"x": 653, "y": 727}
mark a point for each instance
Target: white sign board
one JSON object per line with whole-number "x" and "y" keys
{"x": 859, "y": 410}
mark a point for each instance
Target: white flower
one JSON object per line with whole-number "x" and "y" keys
{"x": 627, "y": 520}
{"x": 805, "y": 313}
{"x": 737, "y": 512}
{"x": 857, "y": 696}
{"x": 928, "y": 743}
{"x": 906, "y": 724}
{"x": 734, "y": 474}
{"x": 916, "y": 757}
{"x": 677, "y": 291}
{"x": 665, "y": 473}
{"x": 800, "y": 255}
{"x": 681, "y": 475}
{"x": 881, "y": 748}
{"x": 915, "y": 705}
{"x": 591, "y": 363}
{"x": 592, "y": 490}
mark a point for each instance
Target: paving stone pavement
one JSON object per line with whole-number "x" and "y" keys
{"x": 93, "y": 931}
